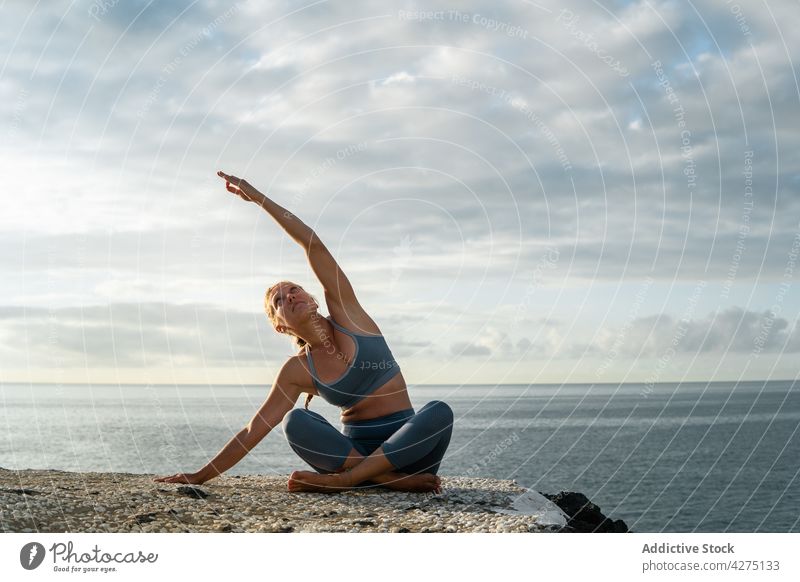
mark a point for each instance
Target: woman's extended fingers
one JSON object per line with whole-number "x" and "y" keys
{"x": 229, "y": 178}
{"x": 238, "y": 186}
{"x": 177, "y": 478}
{"x": 232, "y": 183}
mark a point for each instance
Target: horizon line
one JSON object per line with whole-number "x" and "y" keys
{"x": 409, "y": 384}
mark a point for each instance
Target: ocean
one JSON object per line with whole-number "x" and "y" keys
{"x": 684, "y": 457}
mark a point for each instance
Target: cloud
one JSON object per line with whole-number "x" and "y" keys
{"x": 467, "y": 349}
{"x": 137, "y": 335}
{"x": 471, "y": 140}
{"x": 490, "y": 342}
{"x": 732, "y": 330}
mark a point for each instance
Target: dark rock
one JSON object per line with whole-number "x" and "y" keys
{"x": 403, "y": 530}
{"x": 572, "y": 503}
{"x": 286, "y": 529}
{"x": 21, "y": 491}
{"x": 585, "y": 516}
{"x": 364, "y": 522}
{"x": 620, "y": 526}
{"x": 145, "y": 517}
{"x": 193, "y": 492}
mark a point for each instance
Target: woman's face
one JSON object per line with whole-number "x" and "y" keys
{"x": 292, "y": 304}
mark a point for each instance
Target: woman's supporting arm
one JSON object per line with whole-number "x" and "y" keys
{"x": 281, "y": 399}
{"x": 232, "y": 453}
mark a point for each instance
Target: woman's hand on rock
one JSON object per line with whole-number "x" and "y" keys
{"x": 190, "y": 478}
{"x": 241, "y": 188}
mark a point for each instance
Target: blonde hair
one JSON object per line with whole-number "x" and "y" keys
{"x": 268, "y": 307}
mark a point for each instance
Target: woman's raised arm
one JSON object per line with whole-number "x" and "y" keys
{"x": 338, "y": 289}
{"x": 296, "y": 228}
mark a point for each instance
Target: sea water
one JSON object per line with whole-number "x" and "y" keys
{"x": 678, "y": 458}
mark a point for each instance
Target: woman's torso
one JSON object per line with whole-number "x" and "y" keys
{"x": 332, "y": 365}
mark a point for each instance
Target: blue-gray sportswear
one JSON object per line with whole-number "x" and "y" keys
{"x": 372, "y": 366}
{"x": 413, "y": 443}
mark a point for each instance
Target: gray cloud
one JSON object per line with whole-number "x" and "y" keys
{"x": 156, "y": 335}
{"x": 467, "y": 349}
{"x": 732, "y": 330}
{"x": 145, "y": 335}
{"x": 138, "y": 335}
{"x": 116, "y": 124}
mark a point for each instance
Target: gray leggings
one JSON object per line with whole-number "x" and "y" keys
{"x": 413, "y": 443}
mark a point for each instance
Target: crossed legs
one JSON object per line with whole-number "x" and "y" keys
{"x": 356, "y": 471}
{"x": 408, "y": 460}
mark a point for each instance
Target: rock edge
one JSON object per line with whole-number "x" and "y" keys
{"x": 60, "y": 501}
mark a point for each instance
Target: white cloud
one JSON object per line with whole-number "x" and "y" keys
{"x": 114, "y": 128}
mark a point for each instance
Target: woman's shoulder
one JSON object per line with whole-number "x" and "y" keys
{"x": 355, "y": 321}
{"x": 296, "y": 368}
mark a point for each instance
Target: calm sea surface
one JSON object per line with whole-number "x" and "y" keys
{"x": 686, "y": 457}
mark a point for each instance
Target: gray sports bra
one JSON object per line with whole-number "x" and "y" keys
{"x": 372, "y": 366}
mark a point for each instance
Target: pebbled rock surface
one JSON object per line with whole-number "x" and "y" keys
{"x": 59, "y": 501}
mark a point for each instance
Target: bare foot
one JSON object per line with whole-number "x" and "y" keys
{"x": 420, "y": 482}
{"x": 310, "y": 481}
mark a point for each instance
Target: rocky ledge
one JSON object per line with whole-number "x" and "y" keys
{"x": 58, "y": 501}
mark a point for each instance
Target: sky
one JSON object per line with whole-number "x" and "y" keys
{"x": 519, "y": 192}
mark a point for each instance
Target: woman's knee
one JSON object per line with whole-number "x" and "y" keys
{"x": 420, "y": 445}
{"x": 295, "y": 421}
{"x": 440, "y": 412}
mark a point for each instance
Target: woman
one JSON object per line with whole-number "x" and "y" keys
{"x": 345, "y": 360}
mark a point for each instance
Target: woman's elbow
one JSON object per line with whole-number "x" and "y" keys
{"x": 254, "y": 433}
